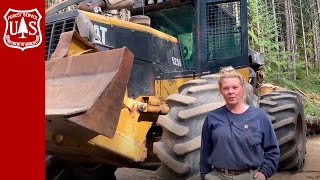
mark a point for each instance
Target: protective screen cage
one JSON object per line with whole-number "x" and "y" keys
{"x": 223, "y": 30}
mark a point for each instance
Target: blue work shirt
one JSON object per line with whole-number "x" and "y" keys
{"x": 238, "y": 141}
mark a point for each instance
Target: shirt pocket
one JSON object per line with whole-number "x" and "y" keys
{"x": 253, "y": 136}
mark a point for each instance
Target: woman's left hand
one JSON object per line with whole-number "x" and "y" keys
{"x": 259, "y": 175}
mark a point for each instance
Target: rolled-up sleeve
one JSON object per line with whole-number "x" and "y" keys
{"x": 205, "y": 150}
{"x": 271, "y": 149}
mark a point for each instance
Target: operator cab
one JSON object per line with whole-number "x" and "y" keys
{"x": 211, "y": 34}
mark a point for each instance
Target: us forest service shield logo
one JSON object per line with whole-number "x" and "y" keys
{"x": 22, "y": 29}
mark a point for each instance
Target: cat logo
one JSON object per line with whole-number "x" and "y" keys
{"x": 22, "y": 29}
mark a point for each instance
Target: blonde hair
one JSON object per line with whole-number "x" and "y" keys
{"x": 230, "y": 72}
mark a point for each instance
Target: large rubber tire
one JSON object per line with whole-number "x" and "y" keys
{"x": 178, "y": 150}
{"x": 285, "y": 110}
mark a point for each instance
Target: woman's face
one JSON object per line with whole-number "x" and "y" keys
{"x": 231, "y": 90}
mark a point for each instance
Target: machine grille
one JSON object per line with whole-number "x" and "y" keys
{"x": 53, "y": 32}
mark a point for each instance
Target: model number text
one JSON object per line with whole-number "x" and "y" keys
{"x": 176, "y": 62}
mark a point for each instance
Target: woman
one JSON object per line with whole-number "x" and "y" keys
{"x": 238, "y": 141}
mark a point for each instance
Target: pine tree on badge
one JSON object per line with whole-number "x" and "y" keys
{"x": 22, "y": 28}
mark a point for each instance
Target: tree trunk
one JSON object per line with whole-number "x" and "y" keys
{"x": 261, "y": 48}
{"x": 315, "y": 36}
{"x": 290, "y": 36}
{"x": 276, "y": 39}
{"x": 288, "y": 33}
{"x": 288, "y": 29}
{"x": 315, "y": 46}
{"x": 275, "y": 24}
{"x": 318, "y": 8}
{"x": 318, "y": 12}
{"x": 293, "y": 41}
{"x": 304, "y": 41}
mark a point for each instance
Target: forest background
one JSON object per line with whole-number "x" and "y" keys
{"x": 288, "y": 33}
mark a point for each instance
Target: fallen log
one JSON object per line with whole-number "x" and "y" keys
{"x": 313, "y": 124}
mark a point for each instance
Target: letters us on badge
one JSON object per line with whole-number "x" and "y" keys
{"x": 22, "y": 29}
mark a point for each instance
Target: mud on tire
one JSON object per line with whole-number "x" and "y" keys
{"x": 286, "y": 113}
{"x": 179, "y": 148}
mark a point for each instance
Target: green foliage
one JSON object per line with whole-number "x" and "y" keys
{"x": 263, "y": 30}
{"x": 309, "y": 86}
{"x": 263, "y": 33}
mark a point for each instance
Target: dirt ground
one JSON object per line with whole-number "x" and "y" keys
{"x": 310, "y": 171}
